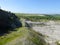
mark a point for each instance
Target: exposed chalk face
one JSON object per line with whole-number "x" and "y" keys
{"x": 51, "y": 31}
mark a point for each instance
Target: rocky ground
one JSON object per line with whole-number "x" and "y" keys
{"x": 51, "y": 31}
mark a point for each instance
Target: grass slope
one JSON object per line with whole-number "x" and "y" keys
{"x": 23, "y": 36}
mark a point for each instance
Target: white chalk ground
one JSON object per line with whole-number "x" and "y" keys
{"x": 51, "y": 31}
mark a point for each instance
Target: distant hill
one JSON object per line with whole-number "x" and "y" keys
{"x": 39, "y": 17}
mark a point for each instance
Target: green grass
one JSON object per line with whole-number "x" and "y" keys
{"x": 38, "y": 17}
{"x": 8, "y": 37}
{"x": 23, "y": 32}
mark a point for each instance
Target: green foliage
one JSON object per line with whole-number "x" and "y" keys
{"x": 37, "y": 17}
{"x": 8, "y": 21}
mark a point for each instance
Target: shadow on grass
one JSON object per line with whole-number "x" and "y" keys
{"x": 7, "y": 29}
{"x": 4, "y": 31}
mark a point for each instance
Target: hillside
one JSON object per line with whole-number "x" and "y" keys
{"x": 15, "y": 34}
{"x": 23, "y": 36}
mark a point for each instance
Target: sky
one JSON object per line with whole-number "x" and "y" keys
{"x": 31, "y": 6}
